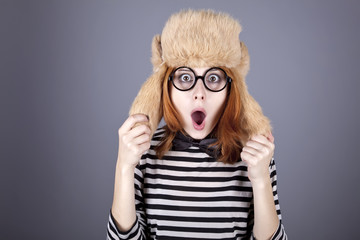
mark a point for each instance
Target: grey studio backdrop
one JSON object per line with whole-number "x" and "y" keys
{"x": 71, "y": 69}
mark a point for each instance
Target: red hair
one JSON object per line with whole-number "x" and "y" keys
{"x": 227, "y": 130}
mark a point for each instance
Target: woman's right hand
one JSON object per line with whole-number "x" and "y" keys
{"x": 134, "y": 140}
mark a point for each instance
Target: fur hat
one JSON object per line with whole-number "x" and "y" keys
{"x": 200, "y": 38}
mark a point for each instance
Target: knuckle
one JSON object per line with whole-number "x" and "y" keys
{"x": 266, "y": 151}
{"x": 145, "y": 138}
{"x": 132, "y": 118}
{"x": 142, "y": 127}
{"x": 270, "y": 150}
{"x": 120, "y": 131}
{"x": 145, "y": 128}
{"x": 124, "y": 138}
{"x": 148, "y": 130}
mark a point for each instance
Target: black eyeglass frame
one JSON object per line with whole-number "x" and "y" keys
{"x": 228, "y": 79}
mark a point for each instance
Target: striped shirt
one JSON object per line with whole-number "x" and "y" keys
{"x": 190, "y": 195}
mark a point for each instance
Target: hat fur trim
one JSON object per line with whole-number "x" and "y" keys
{"x": 201, "y": 39}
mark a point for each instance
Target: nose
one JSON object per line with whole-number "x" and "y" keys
{"x": 199, "y": 91}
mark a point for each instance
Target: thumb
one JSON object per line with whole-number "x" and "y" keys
{"x": 270, "y": 137}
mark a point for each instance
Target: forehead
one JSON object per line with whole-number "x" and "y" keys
{"x": 200, "y": 71}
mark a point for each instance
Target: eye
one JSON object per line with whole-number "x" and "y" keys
{"x": 213, "y": 78}
{"x": 185, "y": 77}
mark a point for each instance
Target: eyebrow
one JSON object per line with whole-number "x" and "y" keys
{"x": 184, "y": 70}
{"x": 215, "y": 70}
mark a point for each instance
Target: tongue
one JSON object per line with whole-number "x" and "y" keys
{"x": 198, "y": 117}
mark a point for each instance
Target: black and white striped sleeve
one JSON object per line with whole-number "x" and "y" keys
{"x": 138, "y": 230}
{"x": 280, "y": 231}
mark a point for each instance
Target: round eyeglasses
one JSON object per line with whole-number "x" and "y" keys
{"x": 184, "y": 78}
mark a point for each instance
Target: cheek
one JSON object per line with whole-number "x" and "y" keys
{"x": 178, "y": 101}
{"x": 218, "y": 104}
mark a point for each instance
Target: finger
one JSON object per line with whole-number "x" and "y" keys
{"x": 255, "y": 144}
{"x": 260, "y": 148}
{"x": 135, "y": 132}
{"x": 250, "y": 150}
{"x": 271, "y": 137}
{"x": 264, "y": 141}
{"x": 138, "y": 131}
{"x": 142, "y": 139}
{"x": 248, "y": 158}
{"x": 260, "y": 139}
{"x": 132, "y": 120}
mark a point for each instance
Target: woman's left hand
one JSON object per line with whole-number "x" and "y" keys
{"x": 257, "y": 153}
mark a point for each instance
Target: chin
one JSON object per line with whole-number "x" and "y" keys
{"x": 196, "y": 134}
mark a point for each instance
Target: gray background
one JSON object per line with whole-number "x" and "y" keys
{"x": 71, "y": 69}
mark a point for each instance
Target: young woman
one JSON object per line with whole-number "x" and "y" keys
{"x": 209, "y": 173}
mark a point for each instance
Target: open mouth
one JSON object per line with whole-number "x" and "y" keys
{"x": 198, "y": 117}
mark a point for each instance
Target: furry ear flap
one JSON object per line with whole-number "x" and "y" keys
{"x": 156, "y": 58}
{"x": 245, "y": 60}
{"x": 148, "y": 100}
{"x": 253, "y": 121}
